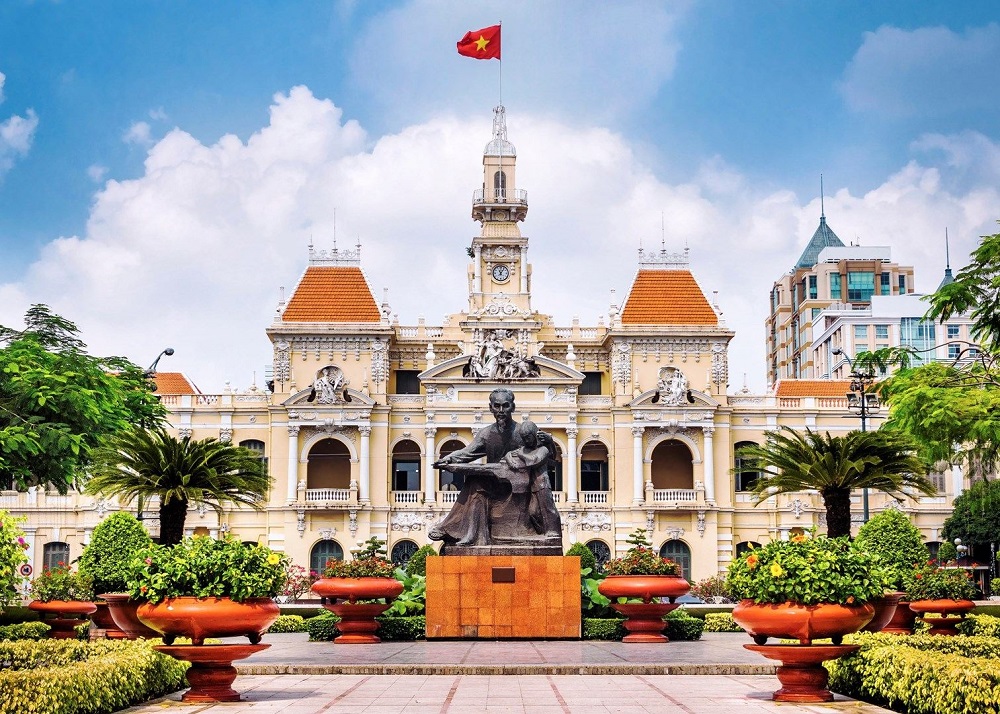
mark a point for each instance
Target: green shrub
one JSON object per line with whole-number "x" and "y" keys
{"x": 894, "y": 543}
{"x": 70, "y": 677}
{"x": 980, "y": 626}
{"x": 112, "y": 547}
{"x": 413, "y": 599}
{"x": 417, "y": 564}
{"x": 721, "y": 622}
{"x": 601, "y": 628}
{"x": 24, "y": 631}
{"x": 322, "y": 628}
{"x": 288, "y": 623}
{"x": 682, "y": 627}
{"x": 14, "y": 615}
{"x": 587, "y": 559}
{"x": 401, "y": 629}
{"x": 921, "y": 674}
{"x": 12, "y": 556}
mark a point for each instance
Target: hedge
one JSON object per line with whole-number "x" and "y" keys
{"x": 24, "y": 631}
{"x": 288, "y": 623}
{"x": 922, "y": 674}
{"x": 980, "y": 625}
{"x": 680, "y": 627}
{"x": 71, "y": 677}
{"x": 721, "y": 622}
{"x": 599, "y": 628}
{"x": 323, "y": 628}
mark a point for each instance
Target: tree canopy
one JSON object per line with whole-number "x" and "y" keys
{"x": 57, "y": 402}
{"x": 835, "y": 465}
{"x": 976, "y": 518}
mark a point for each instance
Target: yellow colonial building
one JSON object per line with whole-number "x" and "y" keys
{"x": 360, "y": 407}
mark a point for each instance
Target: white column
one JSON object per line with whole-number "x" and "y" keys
{"x": 570, "y": 468}
{"x": 364, "y": 468}
{"x": 293, "y": 462}
{"x": 957, "y": 481}
{"x": 638, "y": 495}
{"x": 430, "y": 474}
{"x": 709, "y": 462}
{"x": 477, "y": 281}
{"x": 524, "y": 268}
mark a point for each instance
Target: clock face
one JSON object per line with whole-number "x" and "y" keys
{"x": 501, "y": 273}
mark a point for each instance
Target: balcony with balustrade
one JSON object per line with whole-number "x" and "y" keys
{"x": 675, "y": 499}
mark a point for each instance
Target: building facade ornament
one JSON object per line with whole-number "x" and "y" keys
{"x": 594, "y": 521}
{"x": 226, "y": 435}
{"x": 720, "y": 365}
{"x": 293, "y": 430}
{"x": 300, "y": 521}
{"x": 673, "y": 533}
{"x": 327, "y": 533}
{"x": 406, "y": 521}
{"x": 493, "y": 360}
{"x": 621, "y": 363}
{"x": 328, "y": 386}
{"x": 185, "y": 432}
{"x": 352, "y": 523}
{"x": 797, "y": 507}
{"x": 672, "y": 386}
{"x": 380, "y": 361}
{"x": 701, "y": 524}
{"x": 282, "y": 361}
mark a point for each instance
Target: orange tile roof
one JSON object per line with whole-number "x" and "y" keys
{"x": 173, "y": 383}
{"x": 332, "y": 294}
{"x": 812, "y": 387}
{"x": 667, "y": 297}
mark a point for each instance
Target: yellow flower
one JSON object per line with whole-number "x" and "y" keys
{"x": 798, "y": 538}
{"x": 751, "y": 561}
{"x": 273, "y": 559}
{"x": 776, "y": 570}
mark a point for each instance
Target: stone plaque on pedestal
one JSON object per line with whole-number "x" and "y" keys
{"x": 503, "y": 597}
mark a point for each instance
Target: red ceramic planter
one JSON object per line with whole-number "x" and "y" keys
{"x": 123, "y": 611}
{"x": 353, "y": 589}
{"x": 212, "y": 673}
{"x": 357, "y": 621}
{"x": 645, "y": 587}
{"x": 885, "y": 608}
{"x": 902, "y": 620}
{"x": 62, "y": 622}
{"x": 802, "y": 675}
{"x": 951, "y": 611}
{"x": 102, "y": 620}
{"x": 804, "y": 623}
{"x": 199, "y": 618}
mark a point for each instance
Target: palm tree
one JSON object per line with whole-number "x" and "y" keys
{"x": 835, "y": 465}
{"x": 144, "y": 463}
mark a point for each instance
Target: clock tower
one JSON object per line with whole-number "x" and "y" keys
{"x": 499, "y": 274}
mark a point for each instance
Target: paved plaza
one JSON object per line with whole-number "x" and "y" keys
{"x": 712, "y": 676}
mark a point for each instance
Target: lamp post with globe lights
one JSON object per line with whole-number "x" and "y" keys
{"x": 863, "y": 401}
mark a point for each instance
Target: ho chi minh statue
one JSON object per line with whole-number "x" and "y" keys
{"x": 505, "y": 505}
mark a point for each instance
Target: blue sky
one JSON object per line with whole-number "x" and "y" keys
{"x": 123, "y": 206}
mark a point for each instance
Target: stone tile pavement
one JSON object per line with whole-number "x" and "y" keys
{"x": 713, "y": 676}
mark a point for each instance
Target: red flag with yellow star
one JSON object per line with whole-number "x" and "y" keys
{"x": 481, "y": 44}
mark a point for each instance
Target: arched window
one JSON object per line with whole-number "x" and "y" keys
{"x": 323, "y": 551}
{"x": 329, "y": 465}
{"x": 601, "y": 551}
{"x": 933, "y": 547}
{"x": 747, "y": 471}
{"x": 745, "y": 547}
{"x": 678, "y": 552}
{"x": 500, "y": 185}
{"x": 402, "y": 551}
{"x": 446, "y": 479}
{"x": 54, "y": 554}
{"x": 406, "y": 466}
{"x": 671, "y": 465}
{"x": 594, "y": 467}
{"x": 256, "y": 446}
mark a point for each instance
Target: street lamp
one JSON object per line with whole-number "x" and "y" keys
{"x": 864, "y": 402}
{"x": 150, "y": 373}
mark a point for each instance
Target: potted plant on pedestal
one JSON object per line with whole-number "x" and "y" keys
{"x": 202, "y": 588}
{"x": 896, "y": 546}
{"x": 804, "y": 588}
{"x": 106, "y": 558}
{"x": 642, "y": 574}
{"x": 64, "y": 594}
{"x": 13, "y": 557}
{"x": 947, "y": 592}
{"x": 367, "y": 576}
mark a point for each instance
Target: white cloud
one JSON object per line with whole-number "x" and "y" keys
{"x": 3, "y": 79}
{"x": 158, "y": 114}
{"x": 138, "y": 134}
{"x": 16, "y": 134}
{"x": 96, "y": 172}
{"x": 191, "y": 254}
{"x": 928, "y": 71}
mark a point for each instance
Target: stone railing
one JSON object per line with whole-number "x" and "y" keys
{"x": 674, "y": 494}
{"x": 327, "y": 495}
{"x": 404, "y": 497}
{"x": 593, "y": 496}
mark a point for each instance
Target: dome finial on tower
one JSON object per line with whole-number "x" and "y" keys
{"x": 499, "y": 146}
{"x": 948, "y": 278}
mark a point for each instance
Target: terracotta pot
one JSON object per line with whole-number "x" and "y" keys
{"x": 62, "y": 626}
{"x": 101, "y": 620}
{"x": 212, "y": 673}
{"x": 123, "y": 611}
{"x": 645, "y": 587}
{"x": 885, "y": 608}
{"x": 199, "y": 618}
{"x": 952, "y": 612}
{"x": 902, "y": 620}
{"x": 644, "y": 620}
{"x": 804, "y": 623}
{"x": 802, "y": 675}
{"x": 353, "y": 589}
{"x": 357, "y": 622}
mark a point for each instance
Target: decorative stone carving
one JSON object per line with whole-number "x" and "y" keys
{"x": 185, "y": 432}
{"x": 293, "y": 430}
{"x": 327, "y": 533}
{"x": 650, "y": 524}
{"x": 352, "y": 523}
{"x": 380, "y": 361}
{"x": 701, "y": 524}
{"x": 101, "y": 507}
{"x": 720, "y": 364}
{"x": 672, "y": 386}
{"x": 226, "y": 435}
{"x": 300, "y": 521}
{"x": 621, "y": 363}
{"x": 449, "y": 395}
{"x": 282, "y": 361}
{"x": 500, "y": 306}
{"x": 797, "y": 507}
{"x": 365, "y": 430}
{"x": 328, "y": 386}
{"x": 406, "y": 521}
{"x": 493, "y": 360}
{"x": 568, "y": 395}
{"x": 594, "y": 521}
{"x": 674, "y": 533}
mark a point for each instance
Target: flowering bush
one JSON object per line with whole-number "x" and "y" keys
{"x": 714, "y": 589}
{"x": 930, "y": 582}
{"x": 640, "y": 559}
{"x": 807, "y": 570}
{"x": 202, "y": 567}
{"x": 12, "y": 557}
{"x": 61, "y": 583}
{"x": 298, "y": 581}
{"x": 368, "y": 562}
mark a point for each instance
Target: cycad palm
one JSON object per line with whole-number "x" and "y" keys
{"x": 836, "y": 465}
{"x": 140, "y": 464}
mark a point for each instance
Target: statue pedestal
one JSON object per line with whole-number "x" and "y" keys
{"x": 503, "y": 596}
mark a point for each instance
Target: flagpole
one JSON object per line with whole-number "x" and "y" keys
{"x": 500, "y": 62}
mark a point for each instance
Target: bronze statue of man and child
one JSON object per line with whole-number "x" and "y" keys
{"x": 505, "y": 505}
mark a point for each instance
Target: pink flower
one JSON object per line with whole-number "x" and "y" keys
{"x": 149, "y": 561}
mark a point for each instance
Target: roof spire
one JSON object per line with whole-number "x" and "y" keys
{"x": 822, "y": 201}
{"x": 663, "y": 234}
{"x": 948, "y": 278}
